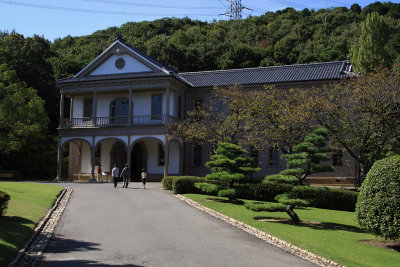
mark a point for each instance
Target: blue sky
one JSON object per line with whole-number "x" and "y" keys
{"x": 59, "y": 18}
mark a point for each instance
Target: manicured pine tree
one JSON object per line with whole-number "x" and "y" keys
{"x": 306, "y": 159}
{"x": 230, "y": 164}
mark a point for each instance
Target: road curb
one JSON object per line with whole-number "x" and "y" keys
{"x": 270, "y": 239}
{"x": 33, "y": 248}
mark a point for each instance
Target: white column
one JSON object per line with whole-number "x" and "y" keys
{"x": 128, "y": 149}
{"x": 61, "y": 109}
{"x": 59, "y": 160}
{"x": 167, "y": 105}
{"x": 166, "y": 156}
{"x": 94, "y": 115}
{"x": 130, "y": 108}
{"x": 93, "y": 146}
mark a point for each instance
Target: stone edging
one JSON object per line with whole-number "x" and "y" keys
{"x": 33, "y": 248}
{"x": 321, "y": 261}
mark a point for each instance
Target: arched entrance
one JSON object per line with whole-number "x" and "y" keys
{"x": 138, "y": 160}
{"x": 118, "y": 155}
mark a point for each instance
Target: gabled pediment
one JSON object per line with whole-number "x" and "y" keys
{"x": 120, "y": 58}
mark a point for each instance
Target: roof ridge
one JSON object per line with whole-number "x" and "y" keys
{"x": 268, "y": 67}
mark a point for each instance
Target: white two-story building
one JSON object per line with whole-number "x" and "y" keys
{"x": 120, "y": 103}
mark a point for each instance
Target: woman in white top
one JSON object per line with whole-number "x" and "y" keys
{"x": 144, "y": 178}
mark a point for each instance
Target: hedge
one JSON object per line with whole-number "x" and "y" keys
{"x": 4, "y": 198}
{"x": 261, "y": 192}
{"x": 327, "y": 198}
{"x": 177, "y": 186}
{"x": 167, "y": 182}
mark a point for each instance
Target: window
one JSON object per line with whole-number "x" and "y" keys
{"x": 156, "y": 107}
{"x": 273, "y": 157}
{"x": 179, "y": 107}
{"x": 87, "y": 107}
{"x": 254, "y": 155}
{"x": 197, "y": 157}
{"x": 337, "y": 158}
{"x": 161, "y": 154}
{"x": 119, "y": 111}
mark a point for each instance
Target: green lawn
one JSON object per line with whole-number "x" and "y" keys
{"x": 336, "y": 239}
{"x": 28, "y": 204}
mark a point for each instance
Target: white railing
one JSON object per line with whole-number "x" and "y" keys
{"x": 116, "y": 121}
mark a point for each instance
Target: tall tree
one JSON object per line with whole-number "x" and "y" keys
{"x": 220, "y": 119}
{"x": 279, "y": 117}
{"x": 363, "y": 116}
{"x": 370, "y": 50}
{"x": 29, "y": 58}
{"x": 22, "y": 112}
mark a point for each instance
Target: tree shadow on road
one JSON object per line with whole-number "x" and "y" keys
{"x": 81, "y": 263}
{"x": 60, "y": 245}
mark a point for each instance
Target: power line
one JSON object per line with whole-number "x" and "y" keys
{"x": 71, "y": 9}
{"x": 145, "y": 5}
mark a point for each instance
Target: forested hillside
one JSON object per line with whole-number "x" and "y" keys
{"x": 275, "y": 38}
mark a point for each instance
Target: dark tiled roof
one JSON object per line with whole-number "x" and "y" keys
{"x": 145, "y": 74}
{"x": 268, "y": 75}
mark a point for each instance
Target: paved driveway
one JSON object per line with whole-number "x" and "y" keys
{"x": 107, "y": 226}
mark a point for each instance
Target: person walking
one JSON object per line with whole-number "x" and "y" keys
{"x": 144, "y": 178}
{"x": 99, "y": 174}
{"x": 115, "y": 175}
{"x": 126, "y": 175}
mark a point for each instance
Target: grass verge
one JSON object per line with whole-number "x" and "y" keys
{"x": 328, "y": 233}
{"x": 29, "y": 203}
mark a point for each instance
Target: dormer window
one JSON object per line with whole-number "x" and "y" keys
{"x": 120, "y": 63}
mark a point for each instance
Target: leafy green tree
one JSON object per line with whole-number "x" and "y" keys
{"x": 29, "y": 58}
{"x": 306, "y": 159}
{"x": 370, "y": 50}
{"x": 230, "y": 164}
{"x": 22, "y": 112}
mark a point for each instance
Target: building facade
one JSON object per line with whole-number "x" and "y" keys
{"x": 119, "y": 105}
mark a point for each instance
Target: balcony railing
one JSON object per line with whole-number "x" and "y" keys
{"x": 116, "y": 121}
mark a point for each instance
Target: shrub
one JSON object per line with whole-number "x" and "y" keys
{"x": 327, "y": 198}
{"x": 167, "y": 182}
{"x": 4, "y": 198}
{"x": 229, "y": 193}
{"x": 207, "y": 188}
{"x": 378, "y": 204}
{"x": 288, "y": 199}
{"x": 185, "y": 184}
{"x": 261, "y": 192}
{"x": 262, "y": 206}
